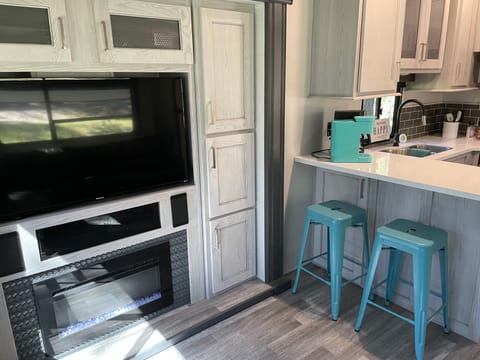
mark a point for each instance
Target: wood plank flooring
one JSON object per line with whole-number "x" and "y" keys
{"x": 299, "y": 327}
{"x": 148, "y": 334}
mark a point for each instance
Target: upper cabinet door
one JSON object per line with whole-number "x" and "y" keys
{"x": 227, "y": 58}
{"x": 379, "y": 60}
{"x": 362, "y": 58}
{"x": 131, "y": 31}
{"x": 424, "y": 34}
{"x": 33, "y": 30}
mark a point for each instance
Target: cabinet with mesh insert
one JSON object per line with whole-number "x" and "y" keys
{"x": 132, "y": 31}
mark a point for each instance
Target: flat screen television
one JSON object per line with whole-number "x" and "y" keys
{"x": 72, "y": 141}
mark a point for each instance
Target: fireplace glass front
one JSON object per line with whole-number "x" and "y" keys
{"x": 84, "y": 304}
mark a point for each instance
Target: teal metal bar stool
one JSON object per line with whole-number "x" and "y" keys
{"x": 422, "y": 242}
{"x": 337, "y": 215}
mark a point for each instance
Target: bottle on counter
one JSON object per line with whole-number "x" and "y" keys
{"x": 477, "y": 129}
{"x": 471, "y": 130}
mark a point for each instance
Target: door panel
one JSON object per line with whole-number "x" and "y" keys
{"x": 232, "y": 249}
{"x": 227, "y": 44}
{"x": 231, "y": 180}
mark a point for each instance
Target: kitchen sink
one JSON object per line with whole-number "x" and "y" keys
{"x": 471, "y": 158}
{"x": 408, "y": 152}
{"x": 434, "y": 149}
{"x": 417, "y": 150}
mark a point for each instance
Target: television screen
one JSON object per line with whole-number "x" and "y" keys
{"x": 66, "y": 142}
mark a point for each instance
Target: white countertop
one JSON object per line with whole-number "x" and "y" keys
{"x": 428, "y": 173}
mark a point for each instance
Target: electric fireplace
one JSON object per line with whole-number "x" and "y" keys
{"x": 83, "y": 304}
{"x": 63, "y": 310}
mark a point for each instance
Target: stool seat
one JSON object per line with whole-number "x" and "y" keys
{"x": 412, "y": 236}
{"x": 334, "y": 211}
{"x": 422, "y": 242}
{"x": 337, "y": 216}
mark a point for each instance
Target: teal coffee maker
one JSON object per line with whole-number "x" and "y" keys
{"x": 346, "y": 136}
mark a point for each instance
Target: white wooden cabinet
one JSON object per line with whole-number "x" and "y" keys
{"x": 226, "y": 108}
{"x": 424, "y": 35}
{"x": 34, "y": 31}
{"x": 228, "y": 70}
{"x": 133, "y": 31}
{"x": 457, "y": 71}
{"x": 356, "y": 47}
{"x": 232, "y": 249}
{"x": 460, "y": 66}
{"x": 231, "y": 173}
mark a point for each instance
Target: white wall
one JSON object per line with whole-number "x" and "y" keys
{"x": 305, "y": 126}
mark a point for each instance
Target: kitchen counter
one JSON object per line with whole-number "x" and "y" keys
{"x": 427, "y": 173}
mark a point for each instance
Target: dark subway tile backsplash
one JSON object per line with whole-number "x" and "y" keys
{"x": 411, "y": 118}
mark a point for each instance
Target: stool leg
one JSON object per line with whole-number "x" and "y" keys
{"x": 377, "y": 249}
{"x": 337, "y": 246}
{"x": 302, "y": 251}
{"x": 443, "y": 257}
{"x": 422, "y": 266}
{"x": 366, "y": 251}
{"x": 328, "y": 251}
{"x": 393, "y": 269}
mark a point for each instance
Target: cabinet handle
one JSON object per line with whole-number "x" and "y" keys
{"x": 362, "y": 188}
{"x": 61, "y": 21}
{"x": 105, "y": 34}
{"x": 425, "y": 51}
{"x": 211, "y": 112}
{"x": 213, "y": 160}
{"x": 216, "y": 241}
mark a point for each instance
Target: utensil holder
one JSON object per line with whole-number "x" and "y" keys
{"x": 450, "y": 130}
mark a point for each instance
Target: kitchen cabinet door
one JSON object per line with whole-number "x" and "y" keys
{"x": 461, "y": 47}
{"x": 133, "y": 31}
{"x": 379, "y": 64}
{"x": 363, "y": 58}
{"x": 227, "y": 62}
{"x": 33, "y": 31}
{"x": 232, "y": 250}
{"x": 231, "y": 174}
{"x": 424, "y": 35}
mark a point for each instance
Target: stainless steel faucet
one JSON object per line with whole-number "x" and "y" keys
{"x": 397, "y": 120}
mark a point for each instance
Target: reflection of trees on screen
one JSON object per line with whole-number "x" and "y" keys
{"x": 72, "y": 113}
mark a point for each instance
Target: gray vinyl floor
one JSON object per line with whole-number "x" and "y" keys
{"x": 298, "y": 326}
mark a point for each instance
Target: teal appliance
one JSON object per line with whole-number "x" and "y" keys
{"x": 346, "y": 136}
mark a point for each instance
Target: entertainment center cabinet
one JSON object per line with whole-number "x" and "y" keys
{"x": 218, "y": 46}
